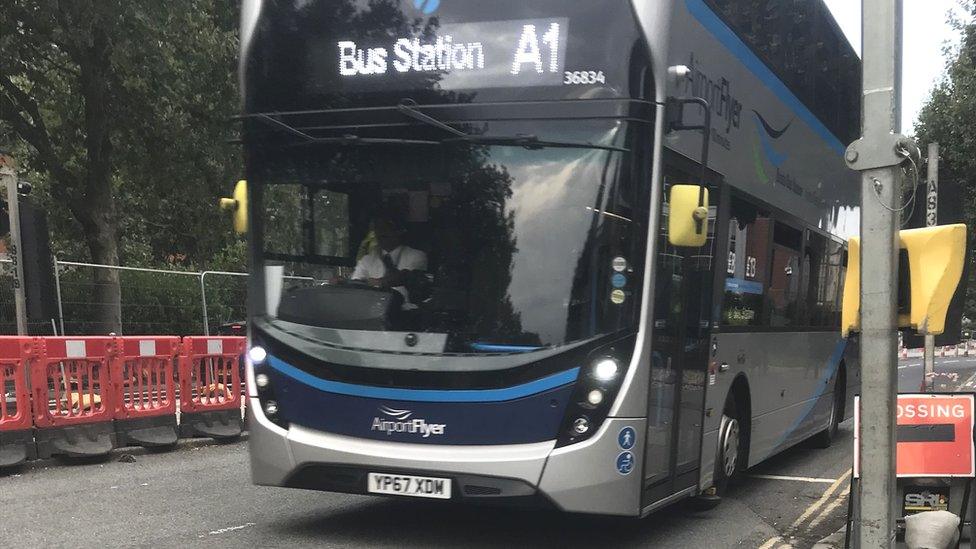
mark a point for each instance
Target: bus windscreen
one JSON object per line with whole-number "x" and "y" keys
{"x": 491, "y": 244}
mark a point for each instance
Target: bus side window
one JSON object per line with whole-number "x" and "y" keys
{"x": 822, "y": 281}
{"x": 784, "y": 287}
{"x": 747, "y": 267}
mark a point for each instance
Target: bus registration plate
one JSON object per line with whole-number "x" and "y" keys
{"x": 404, "y": 485}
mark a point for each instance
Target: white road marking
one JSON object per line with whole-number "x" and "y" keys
{"x": 950, "y": 361}
{"x": 797, "y": 479}
{"x": 230, "y": 529}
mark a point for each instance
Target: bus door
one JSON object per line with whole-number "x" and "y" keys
{"x": 683, "y": 285}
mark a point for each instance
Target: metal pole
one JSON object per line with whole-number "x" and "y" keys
{"x": 9, "y": 175}
{"x": 57, "y": 289}
{"x": 931, "y": 220}
{"x": 203, "y": 303}
{"x": 878, "y": 155}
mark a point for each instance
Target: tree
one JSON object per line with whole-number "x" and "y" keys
{"x": 123, "y": 106}
{"x": 948, "y": 118}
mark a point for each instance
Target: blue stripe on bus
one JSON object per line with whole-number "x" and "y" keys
{"x": 427, "y": 395}
{"x": 832, "y": 365}
{"x": 495, "y": 348}
{"x": 734, "y": 44}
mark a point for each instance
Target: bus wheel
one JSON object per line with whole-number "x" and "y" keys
{"x": 730, "y": 442}
{"x": 824, "y": 438}
{"x": 728, "y": 457}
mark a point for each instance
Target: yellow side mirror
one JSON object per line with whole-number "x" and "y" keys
{"x": 687, "y": 220}
{"x": 935, "y": 262}
{"x": 238, "y": 205}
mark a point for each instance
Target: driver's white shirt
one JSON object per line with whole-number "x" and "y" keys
{"x": 404, "y": 257}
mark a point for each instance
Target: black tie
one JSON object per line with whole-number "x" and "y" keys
{"x": 388, "y": 263}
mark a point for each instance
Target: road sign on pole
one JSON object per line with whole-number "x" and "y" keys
{"x": 931, "y": 220}
{"x": 8, "y": 175}
{"x": 878, "y": 155}
{"x": 932, "y": 187}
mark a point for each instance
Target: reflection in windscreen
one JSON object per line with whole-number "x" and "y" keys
{"x": 500, "y": 247}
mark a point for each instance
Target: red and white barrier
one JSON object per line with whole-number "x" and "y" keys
{"x": 83, "y": 396}
{"x": 16, "y": 423}
{"x": 74, "y": 397}
{"x": 211, "y": 387}
{"x": 144, "y": 375}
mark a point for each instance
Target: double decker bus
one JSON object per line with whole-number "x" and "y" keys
{"x": 466, "y": 279}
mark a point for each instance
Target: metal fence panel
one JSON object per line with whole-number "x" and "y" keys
{"x": 154, "y": 301}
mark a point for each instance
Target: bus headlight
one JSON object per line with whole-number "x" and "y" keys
{"x": 596, "y": 390}
{"x": 262, "y": 381}
{"x": 269, "y": 405}
{"x": 257, "y": 355}
{"x": 605, "y": 369}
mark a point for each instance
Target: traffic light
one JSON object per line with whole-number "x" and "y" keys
{"x": 39, "y": 285}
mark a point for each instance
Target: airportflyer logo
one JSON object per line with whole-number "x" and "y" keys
{"x": 402, "y": 421}
{"x": 762, "y": 147}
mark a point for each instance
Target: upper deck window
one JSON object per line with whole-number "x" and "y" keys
{"x": 803, "y": 45}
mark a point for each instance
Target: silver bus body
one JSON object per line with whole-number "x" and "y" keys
{"x": 788, "y": 375}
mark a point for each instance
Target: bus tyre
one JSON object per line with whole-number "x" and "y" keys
{"x": 824, "y": 438}
{"x": 729, "y": 462}
{"x": 728, "y": 457}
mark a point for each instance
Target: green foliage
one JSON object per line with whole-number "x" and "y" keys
{"x": 948, "y": 118}
{"x": 166, "y": 84}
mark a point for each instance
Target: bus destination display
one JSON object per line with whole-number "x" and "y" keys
{"x": 528, "y": 52}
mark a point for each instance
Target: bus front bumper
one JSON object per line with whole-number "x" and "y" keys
{"x": 578, "y": 478}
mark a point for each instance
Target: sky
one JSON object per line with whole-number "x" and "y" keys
{"x": 926, "y": 31}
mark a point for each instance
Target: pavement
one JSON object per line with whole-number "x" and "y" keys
{"x": 201, "y": 495}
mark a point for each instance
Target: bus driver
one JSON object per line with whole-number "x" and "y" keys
{"x": 388, "y": 263}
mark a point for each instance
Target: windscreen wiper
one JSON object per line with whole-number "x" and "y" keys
{"x": 347, "y": 139}
{"x": 409, "y": 108}
{"x": 532, "y": 142}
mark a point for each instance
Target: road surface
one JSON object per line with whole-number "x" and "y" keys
{"x": 962, "y": 369}
{"x": 200, "y": 495}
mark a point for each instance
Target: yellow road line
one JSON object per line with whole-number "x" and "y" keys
{"x": 771, "y": 542}
{"x": 829, "y": 509}
{"x": 813, "y": 480}
{"x": 823, "y": 499}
